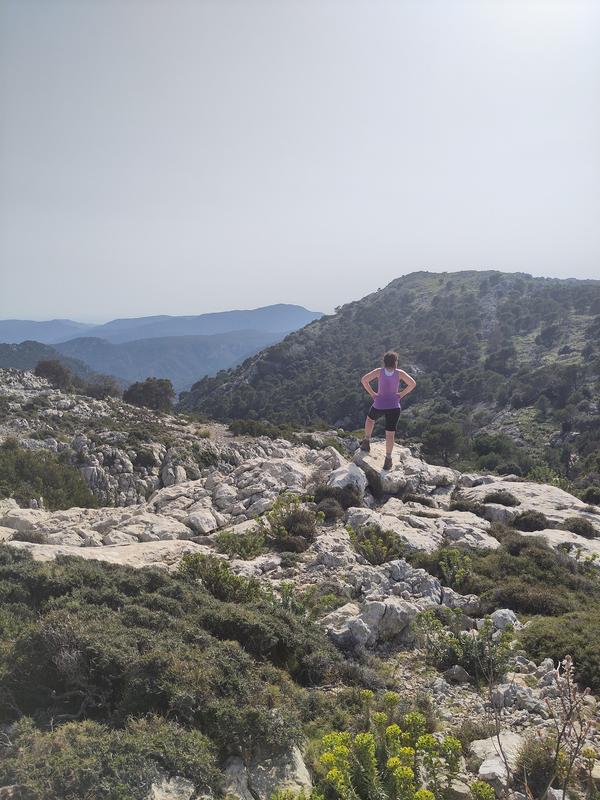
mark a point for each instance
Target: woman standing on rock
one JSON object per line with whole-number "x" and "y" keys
{"x": 386, "y": 401}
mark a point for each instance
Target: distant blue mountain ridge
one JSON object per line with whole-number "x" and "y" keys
{"x": 183, "y": 349}
{"x": 278, "y": 318}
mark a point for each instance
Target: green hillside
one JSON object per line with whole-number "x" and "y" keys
{"x": 494, "y": 352}
{"x": 27, "y": 355}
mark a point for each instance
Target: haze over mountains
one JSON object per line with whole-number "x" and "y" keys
{"x": 278, "y": 318}
{"x": 179, "y": 348}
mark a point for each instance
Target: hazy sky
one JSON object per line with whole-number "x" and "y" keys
{"x": 181, "y": 157}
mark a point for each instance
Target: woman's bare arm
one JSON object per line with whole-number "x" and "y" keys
{"x": 366, "y": 382}
{"x": 409, "y": 381}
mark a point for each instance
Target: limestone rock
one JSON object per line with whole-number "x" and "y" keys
{"x": 165, "y": 555}
{"x": 176, "y": 788}
{"x": 264, "y": 775}
{"x": 348, "y": 475}
{"x": 503, "y": 617}
{"x": 484, "y": 749}
{"x": 407, "y": 474}
{"x": 202, "y": 521}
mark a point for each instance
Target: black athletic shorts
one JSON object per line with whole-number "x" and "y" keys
{"x": 392, "y": 415}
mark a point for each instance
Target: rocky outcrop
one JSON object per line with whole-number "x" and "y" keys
{"x": 408, "y": 474}
{"x": 259, "y": 779}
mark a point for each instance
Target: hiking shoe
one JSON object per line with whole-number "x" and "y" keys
{"x": 365, "y": 445}
{"x": 387, "y": 464}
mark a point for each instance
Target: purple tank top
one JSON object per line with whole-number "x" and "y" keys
{"x": 387, "y": 391}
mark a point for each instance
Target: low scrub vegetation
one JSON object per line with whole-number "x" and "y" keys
{"x": 536, "y": 579}
{"x": 581, "y": 526}
{"x": 376, "y": 544}
{"x": 531, "y": 521}
{"x": 31, "y": 474}
{"x": 290, "y": 525}
{"x": 154, "y": 667}
{"x": 502, "y": 497}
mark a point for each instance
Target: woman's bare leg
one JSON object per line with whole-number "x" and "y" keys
{"x": 389, "y": 442}
{"x": 369, "y": 425}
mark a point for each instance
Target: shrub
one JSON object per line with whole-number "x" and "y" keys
{"x": 535, "y": 765}
{"x": 576, "y": 634}
{"x": 531, "y": 521}
{"x": 460, "y": 503}
{"x": 289, "y": 526}
{"x": 55, "y": 373}
{"x": 480, "y": 790}
{"x": 390, "y": 762}
{"x": 536, "y": 579}
{"x": 591, "y": 495}
{"x": 155, "y": 393}
{"x": 502, "y": 497}
{"x": 455, "y": 566}
{"x": 346, "y": 496}
{"x": 33, "y": 537}
{"x": 101, "y": 387}
{"x": 27, "y": 474}
{"x": 471, "y": 729}
{"x": 581, "y": 526}
{"x": 252, "y": 427}
{"x": 218, "y": 579}
{"x": 331, "y": 509}
{"x": 484, "y": 656}
{"x": 86, "y": 639}
{"x": 145, "y": 458}
{"x": 87, "y": 759}
{"x": 246, "y": 545}
{"x": 377, "y": 545}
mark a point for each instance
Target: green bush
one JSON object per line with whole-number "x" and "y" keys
{"x": 460, "y": 503}
{"x": 389, "y": 762}
{"x": 289, "y": 526}
{"x": 576, "y": 634}
{"x": 480, "y": 790}
{"x": 155, "y": 393}
{"x": 536, "y": 578}
{"x": 82, "y": 639}
{"x": 145, "y": 458}
{"x": 101, "y": 387}
{"x": 531, "y": 521}
{"x": 472, "y": 730}
{"x": 484, "y": 656}
{"x": 253, "y": 427}
{"x": 218, "y": 579}
{"x": 55, "y": 373}
{"x": 28, "y": 474}
{"x": 377, "y": 545}
{"x": 581, "y": 526}
{"x": 246, "y": 545}
{"x": 87, "y": 759}
{"x": 536, "y": 760}
{"x": 331, "y": 509}
{"x": 591, "y": 495}
{"x": 347, "y": 496}
{"x": 502, "y": 497}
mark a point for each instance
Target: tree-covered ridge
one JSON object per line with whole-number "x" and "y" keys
{"x": 477, "y": 343}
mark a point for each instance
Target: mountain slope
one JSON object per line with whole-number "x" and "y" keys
{"x": 179, "y": 358}
{"x": 475, "y": 341}
{"x": 26, "y": 356}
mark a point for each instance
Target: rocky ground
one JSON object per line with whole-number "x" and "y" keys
{"x": 189, "y": 489}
